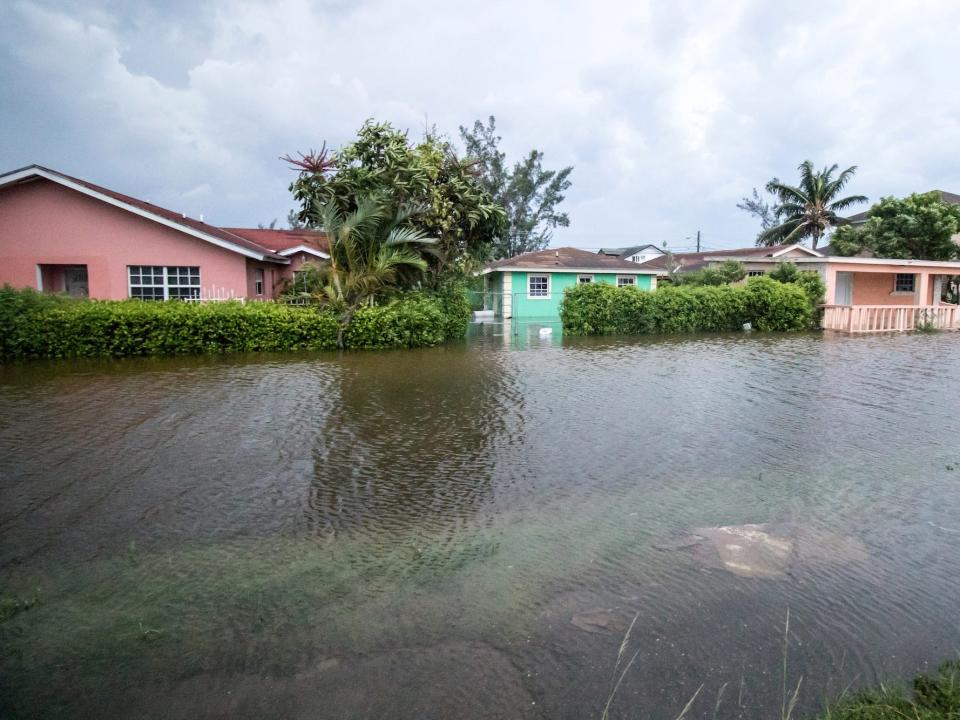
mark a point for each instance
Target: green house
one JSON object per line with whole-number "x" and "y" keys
{"x": 530, "y": 286}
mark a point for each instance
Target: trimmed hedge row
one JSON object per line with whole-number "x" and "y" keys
{"x": 603, "y": 309}
{"x": 33, "y": 325}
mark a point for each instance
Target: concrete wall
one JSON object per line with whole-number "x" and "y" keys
{"x": 43, "y": 223}
{"x": 877, "y": 289}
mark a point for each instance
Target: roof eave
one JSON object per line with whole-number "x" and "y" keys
{"x": 286, "y": 252}
{"x": 617, "y": 270}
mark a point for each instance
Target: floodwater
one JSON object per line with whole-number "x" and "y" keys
{"x": 469, "y": 531}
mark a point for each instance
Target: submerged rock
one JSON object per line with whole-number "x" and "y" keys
{"x": 765, "y": 550}
{"x": 604, "y": 622}
{"x": 749, "y": 550}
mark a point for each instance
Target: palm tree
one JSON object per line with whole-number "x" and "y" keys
{"x": 372, "y": 256}
{"x": 811, "y": 208}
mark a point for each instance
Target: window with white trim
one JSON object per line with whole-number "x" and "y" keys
{"x": 756, "y": 273}
{"x": 258, "y": 281}
{"x": 904, "y": 282}
{"x": 538, "y": 286}
{"x": 624, "y": 280}
{"x": 581, "y": 279}
{"x": 160, "y": 282}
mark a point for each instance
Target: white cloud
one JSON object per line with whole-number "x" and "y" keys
{"x": 669, "y": 112}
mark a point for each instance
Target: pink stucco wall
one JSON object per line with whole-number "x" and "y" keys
{"x": 42, "y": 222}
{"x": 877, "y": 289}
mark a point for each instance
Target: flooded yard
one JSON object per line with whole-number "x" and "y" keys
{"x": 469, "y": 531}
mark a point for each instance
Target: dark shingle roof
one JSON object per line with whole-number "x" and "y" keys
{"x": 694, "y": 261}
{"x": 565, "y": 257}
{"x": 625, "y": 252}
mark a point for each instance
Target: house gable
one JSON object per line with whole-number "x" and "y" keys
{"x": 46, "y": 227}
{"x": 162, "y": 216}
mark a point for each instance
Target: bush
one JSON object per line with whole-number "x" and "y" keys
{"x": 725, "y": 273}
{"x": 600, "y": 309}
{"x": 33, "y": 325}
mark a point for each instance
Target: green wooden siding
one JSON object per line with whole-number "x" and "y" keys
{"x": 549, "y": 308}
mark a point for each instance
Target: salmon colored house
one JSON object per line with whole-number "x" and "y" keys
{"x": 65, "y": 235}
{"x": 864, "y": 294}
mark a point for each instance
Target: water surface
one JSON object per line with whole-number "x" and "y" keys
{"x": 467, "y": 531}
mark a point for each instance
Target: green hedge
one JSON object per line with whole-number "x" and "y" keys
{"x": 40, "y": 326}
{"x": 603, "y": 309}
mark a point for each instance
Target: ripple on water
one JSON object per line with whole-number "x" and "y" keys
{"x": 411, "y": 525}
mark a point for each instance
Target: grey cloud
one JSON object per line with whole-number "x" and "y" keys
{"x": 670, "y": 112}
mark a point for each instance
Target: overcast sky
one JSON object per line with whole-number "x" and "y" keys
{"x": 670, "y": 111}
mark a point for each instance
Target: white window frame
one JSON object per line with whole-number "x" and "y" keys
{"x": 584, "y": 278}
{"x": 756, "y": 273}
{"x": 626, "y": 280}
{"x": 258, "y": 276}
{"x": 530, "y": 295}
{"x": 167, "y": 277}
{"x": 896, "y": 284}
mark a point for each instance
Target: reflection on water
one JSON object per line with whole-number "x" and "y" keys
{"x": 467, "y": 531}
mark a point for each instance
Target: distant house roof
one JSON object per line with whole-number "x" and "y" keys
{"x": 568, "y": 259}
{"x": 694, "y": 261}
{"x": 828, "y": 251}
{"x": 948, "y": 197}
{"x": 626, "y": 252}
{"x": 178, "y": 221}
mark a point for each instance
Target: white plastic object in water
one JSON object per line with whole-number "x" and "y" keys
{"x": 544, "y": 332}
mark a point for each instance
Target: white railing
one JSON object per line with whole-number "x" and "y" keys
{"x": 889, "y": 318}
{"x": 216, "y": 294}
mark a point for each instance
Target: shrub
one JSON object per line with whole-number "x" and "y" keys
{"x": 599, "y": 308}
{"x": 37, "y": 326}
{"x": 725, "y": 273}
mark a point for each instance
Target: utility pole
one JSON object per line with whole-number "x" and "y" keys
{"x": 698, "y": 241}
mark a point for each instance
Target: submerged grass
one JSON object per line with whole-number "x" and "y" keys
{"x": 12, "y": 606}
{"x": 935, "y": 697}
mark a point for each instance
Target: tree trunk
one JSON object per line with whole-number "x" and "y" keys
{"x": 344, "y": 322}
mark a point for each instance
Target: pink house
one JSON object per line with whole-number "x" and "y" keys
{"x": 62, "y": 234}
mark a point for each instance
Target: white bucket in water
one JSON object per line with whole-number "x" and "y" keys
{"x": 546, "y": 332}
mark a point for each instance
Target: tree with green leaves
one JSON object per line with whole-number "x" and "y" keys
{"x": 917, "y": 227}
{"x": 761, "y": 208}
{"x": 811, "y": 208}
{"x": 373, "y": 254}
{"x": 438, "y": 193}
{"x": 724, "y": 273}
{"x": 530, "y": 194}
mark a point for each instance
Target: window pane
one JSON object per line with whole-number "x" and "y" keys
{"x": 904, "y": 282}
{"x": 538, "y": 286}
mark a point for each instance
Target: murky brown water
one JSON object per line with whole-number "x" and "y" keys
{"x": 468, "y": 531}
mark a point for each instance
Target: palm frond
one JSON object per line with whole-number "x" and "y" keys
{"x": 408, "y": 236}
{"x": 846, "y": 202}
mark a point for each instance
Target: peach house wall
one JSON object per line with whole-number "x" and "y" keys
{"x": 44, "y": 223}
{"x": 873, "y": 284}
